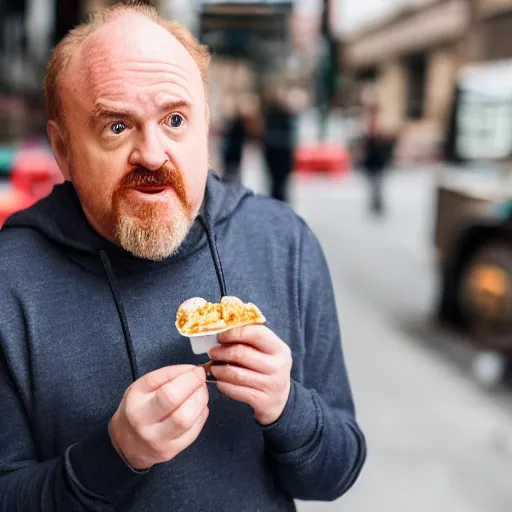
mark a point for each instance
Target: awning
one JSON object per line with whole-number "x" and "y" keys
{"x": 265, "y": 18}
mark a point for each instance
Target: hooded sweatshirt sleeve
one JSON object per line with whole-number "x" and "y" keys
{"x": 316, "y": 447}
{"x": 88, "y": 476}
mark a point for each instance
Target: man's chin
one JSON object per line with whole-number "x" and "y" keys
{"x": 149, "y": 239}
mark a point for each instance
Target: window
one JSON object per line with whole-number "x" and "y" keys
{"x": 485, "y": 127}
{"x": 416, "y": 66}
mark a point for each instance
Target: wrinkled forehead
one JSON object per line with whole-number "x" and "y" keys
{"x": 132, "y": 56}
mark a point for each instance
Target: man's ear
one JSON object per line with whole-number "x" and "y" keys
{"x": 59, "y": 147}
{"x": 207, "y": 118}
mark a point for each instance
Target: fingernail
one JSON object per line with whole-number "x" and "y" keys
{"x": 212, "y": 352}
{"x": 223, "y": 335}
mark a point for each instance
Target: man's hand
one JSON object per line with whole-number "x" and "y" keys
{"x": 160, "y": 415}
{"x": 257, "y": 370}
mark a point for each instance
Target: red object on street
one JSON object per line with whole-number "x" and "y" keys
{"x": 322, "y": 158}
{"x": 35, "y": 172}
{"x": 33, "y": 175}
{"x": 11, "y": 201}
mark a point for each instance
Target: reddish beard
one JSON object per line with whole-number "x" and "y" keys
{"x": 152, "y": 230}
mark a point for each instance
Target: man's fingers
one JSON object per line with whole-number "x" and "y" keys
{"x": 172, "y": 395}
{"x": 243, "y": 355}
{"x": 257, "y": 336}
{"x": 185, "y": 416}
{"x": 249, "y": 396}
{"x": 166, "y": 444}
{"x": 192, "y": 434}
{"x": 240, "y": 376}
{"x": 154, "y": 380}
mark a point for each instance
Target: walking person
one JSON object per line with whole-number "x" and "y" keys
{"x": 375, "y": 159}
{"x": 279, "y": 142}
{"x": 234, "y": 138}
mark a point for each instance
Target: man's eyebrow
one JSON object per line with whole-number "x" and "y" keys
{"x": 101, "y": 112}
{"x": 169, "y": 106}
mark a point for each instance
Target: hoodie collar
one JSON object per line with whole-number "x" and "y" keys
{"x": 60, "y": 218}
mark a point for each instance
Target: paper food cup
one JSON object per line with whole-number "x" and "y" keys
{"x": 203, "y": 342}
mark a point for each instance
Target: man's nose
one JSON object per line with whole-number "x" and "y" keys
{"x": 149, "y": 150}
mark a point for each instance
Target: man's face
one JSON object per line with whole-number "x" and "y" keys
{"x": 136, "y": 118}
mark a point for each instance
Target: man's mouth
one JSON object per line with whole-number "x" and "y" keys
{"x": 151, "y": 189}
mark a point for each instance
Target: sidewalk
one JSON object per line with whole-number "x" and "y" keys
{"x": 437, "y": 442}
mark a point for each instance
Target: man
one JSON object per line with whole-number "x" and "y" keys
{"x": 105, "y": 407}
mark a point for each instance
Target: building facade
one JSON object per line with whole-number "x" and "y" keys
{"x": 412, "y": 60}
{"x": 489, "y": 37}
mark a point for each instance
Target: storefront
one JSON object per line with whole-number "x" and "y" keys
{"x": 413, "y": 59}
{"x": 252, "y": 44}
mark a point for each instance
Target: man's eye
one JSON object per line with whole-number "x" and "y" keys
{"x": 117, "y": 128}
{"x": 175, "y": 121}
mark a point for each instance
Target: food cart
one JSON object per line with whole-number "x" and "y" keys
{"x": 473, "y": 221}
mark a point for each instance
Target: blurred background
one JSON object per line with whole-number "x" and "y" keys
{"x": 387, "y": 125}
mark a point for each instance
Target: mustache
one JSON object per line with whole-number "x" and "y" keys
{"x": 166, "y": 176}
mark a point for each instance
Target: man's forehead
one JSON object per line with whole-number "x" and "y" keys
{"x": 130, "y": 41}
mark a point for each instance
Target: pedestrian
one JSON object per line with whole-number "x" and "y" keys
{"x": 279, "y": 141}
{"x": 105, "y": 406}
{"x": 375, "y": 159}
{"x": 234, "y": 138}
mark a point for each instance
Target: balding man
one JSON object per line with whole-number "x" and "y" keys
{"x": 104, "y": 405}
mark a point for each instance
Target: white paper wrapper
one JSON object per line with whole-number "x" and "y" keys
{"x": 202, "y": 344}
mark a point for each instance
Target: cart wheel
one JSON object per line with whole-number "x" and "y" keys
{"x": 485, "y": 296}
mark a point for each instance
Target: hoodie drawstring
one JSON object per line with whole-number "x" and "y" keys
{"x": 212, "y": 244}
{"x": 120, "y": 311}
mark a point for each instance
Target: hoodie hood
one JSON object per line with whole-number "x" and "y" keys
{"x": 60, "y": 218}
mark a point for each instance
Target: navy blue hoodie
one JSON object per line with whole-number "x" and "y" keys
{"x": 80, "y": 319}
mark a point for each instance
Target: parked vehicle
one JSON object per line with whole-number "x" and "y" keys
{"x": 473, "y": 224}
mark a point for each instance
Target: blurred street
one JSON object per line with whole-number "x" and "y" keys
{"x": 418, "y": 86}
{"x": 437, "y": 440}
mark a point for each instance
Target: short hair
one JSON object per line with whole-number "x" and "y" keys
{"x": 66, "y": 48}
